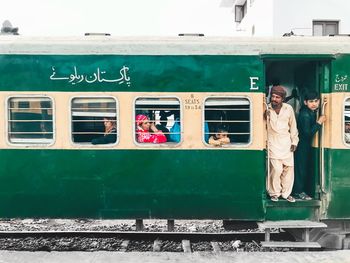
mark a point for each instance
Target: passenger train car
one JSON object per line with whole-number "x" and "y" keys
{"x": 56, "y": 92}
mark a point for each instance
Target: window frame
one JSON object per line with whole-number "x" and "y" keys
{"x": 324, "y": 23}
{"x": 243, "y": 9}
{"x": 33, "y": 144}
{"x": 230, "y": 145}
{"x": 343, "y": 122}
{"x": 238, "y": 10}
{"x": 166, "y": 144}
{"x": 90, "y": 145}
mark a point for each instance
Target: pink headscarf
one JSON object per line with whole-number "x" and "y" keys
{"x": 140, "y": 118}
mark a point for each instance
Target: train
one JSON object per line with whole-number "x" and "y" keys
{"x": 56, "y": 91}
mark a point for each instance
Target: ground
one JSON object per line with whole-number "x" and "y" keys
{"x": 152, "y": 257}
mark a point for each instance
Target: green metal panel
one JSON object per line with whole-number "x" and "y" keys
{"x": 132, "y": 183}
{"x": 323, "y": 77}
{"x": 193, "y": 73}
{"x": 340, "y": 81}
{"x": 299, "y": 57}
{"x": 338, "y": 183}
{"x": 300, "y": 210}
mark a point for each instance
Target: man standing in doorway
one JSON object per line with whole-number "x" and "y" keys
{"x": 282, "y": 142}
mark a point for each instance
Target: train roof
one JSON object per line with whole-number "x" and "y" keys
{"x": 173, "y": 45}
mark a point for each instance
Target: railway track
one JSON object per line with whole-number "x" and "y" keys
{"x": 125, "y": 241}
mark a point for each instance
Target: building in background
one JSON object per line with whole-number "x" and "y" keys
{"x": 291, "y": 17}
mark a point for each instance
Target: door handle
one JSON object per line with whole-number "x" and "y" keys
{"x": 267, "y": 144}
{"x": 322, "y": 177}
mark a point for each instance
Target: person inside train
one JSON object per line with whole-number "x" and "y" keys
{"x": 221, "y": 137}
{"x": 347, "y": 131}
{"x": 110, "y": 133}
{"x": 276, "y": 82}
{"x": 146, "y": 131}
{"x": 282, "y": 140}
{"x": 162, "y": 126}
{"x": 308, "y": 125}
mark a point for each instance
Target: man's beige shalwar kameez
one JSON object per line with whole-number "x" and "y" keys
{"x": 282, "y": 133}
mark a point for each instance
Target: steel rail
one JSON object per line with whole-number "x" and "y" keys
{"x": 143, "y": 235}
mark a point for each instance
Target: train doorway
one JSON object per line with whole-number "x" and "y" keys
{"x": 299, "y": 76}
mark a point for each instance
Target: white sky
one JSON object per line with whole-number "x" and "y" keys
{"x": 119, "y": 17}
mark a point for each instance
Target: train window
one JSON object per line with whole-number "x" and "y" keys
{"x": 347, "y": 121}
{"x": 94, "y": 120}
{"x": 30, "y": 120}
{"x": 157, "y": 120}
{"x": 227, "y": 121}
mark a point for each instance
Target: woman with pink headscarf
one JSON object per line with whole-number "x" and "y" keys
{"x": 143, "y": 131}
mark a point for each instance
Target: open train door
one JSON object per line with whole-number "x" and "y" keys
{"x": 299, "y": 73}
{"x": 320, "y": 141}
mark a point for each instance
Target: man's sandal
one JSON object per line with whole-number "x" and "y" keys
{"x": 274, "y": 198}
{"x": 290, "y": 199}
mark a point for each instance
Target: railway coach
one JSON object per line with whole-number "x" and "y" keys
{"x": 56, "y": 92}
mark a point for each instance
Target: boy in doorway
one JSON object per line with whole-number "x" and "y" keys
{"x": 307, "y": 127}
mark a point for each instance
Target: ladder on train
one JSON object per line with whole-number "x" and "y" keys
{"x": 303, "y": 225}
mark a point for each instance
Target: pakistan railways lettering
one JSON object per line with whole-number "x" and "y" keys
{"x": 98, "y": 76}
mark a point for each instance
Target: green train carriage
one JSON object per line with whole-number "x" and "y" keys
{"x": 55, "y": 93}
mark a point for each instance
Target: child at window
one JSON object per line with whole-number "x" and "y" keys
{"x": 144, "y": 129}
{"x": 220, "y": 138}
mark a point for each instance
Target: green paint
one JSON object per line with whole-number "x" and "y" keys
{"x": 338, "y": 183}
{"x": 300, "y": 210}
{"x": 191, "y": 73}
{"x": 175, "y": 184}
{"x": 132, "y": 183}
{"x": 298, "y": 57}
{"x": 340, "y": 81}
{"x": 163, "y": 73}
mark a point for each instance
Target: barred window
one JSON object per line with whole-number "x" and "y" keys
{"x": 94, "y": 120}
{"x": 227, "y": 121}
{"x": 30, "y": 120}
{"x": 347, "y": 121}
{"x": 157, "y": 120}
